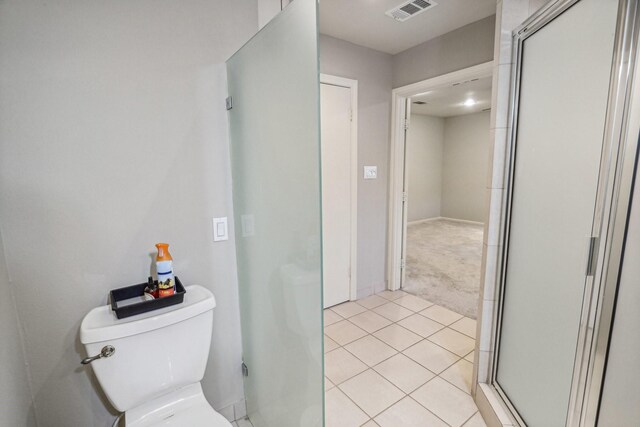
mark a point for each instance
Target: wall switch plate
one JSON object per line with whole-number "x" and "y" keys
{"x": 248, "y": 225}
{"x": 370, "y": 172}
{"x": 220, "y": 229}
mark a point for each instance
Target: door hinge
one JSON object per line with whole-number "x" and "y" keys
{"x": 245, "y": 370}
{"x": 592, "y": 257}
{"x": 350, "y": 115}
{"x": 405, "y": 196}
{"x": 406, "y": 124}
{"x": 229, "y": 102}
{"x": 402, "y": 264}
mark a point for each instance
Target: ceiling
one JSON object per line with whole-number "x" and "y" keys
{"x": 448, "y": 101}
{"x": 363, "y": 22}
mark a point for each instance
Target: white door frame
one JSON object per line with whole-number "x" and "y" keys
{"x": 397, "y": 177}
{"x": 353, "y": 262}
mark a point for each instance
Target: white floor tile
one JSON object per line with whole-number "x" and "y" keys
{"x": 371, "y": 392}
{"x": 397, "y": 337}
{"x": 329, "y": 344}
{"x": 446, "y": 401}
{"x": 413, "y": 302}
{"x": 392, "y": 311}
{"x": 372, "y": 302}
{"x": 331, "y": 317}
{"x": 348, "y": 309}
{"x": 370, "y": 350}
{"x": 476, "y": 421}
{"x": 340, "y": 411}
{"x": 370, "y": 321}
{"x": 344, "y": 332}
{"x": 466, "y": 326}
{"x": 408, "y": 413}
{"x": 441, "y": 314}
{"x": 244, "y": 423}
{"x": 453, "y": 341}
{"x": 391, "y": 295}
{"x": 404, "y": 373}
{"x": 421, "y": 325}
{"x": 371, "y": 423}
{"x": 340, "y": 365}
{"x": 328, "y": 384}
{"x": 469, "y": 357}
{"x": 431, "y": 356}
{"x": 459, "y": 374}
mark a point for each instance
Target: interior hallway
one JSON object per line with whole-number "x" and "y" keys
{"x": 443, "y": 263}
{"x": 396, "y": 360}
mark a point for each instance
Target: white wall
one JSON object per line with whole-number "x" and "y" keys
{"x": 16, "y": 405}
{"x": 465, "y": 166}
{"x": 113, "y": 137}
{"x": 372, "y": 69}
{"x": 461, "y": 48}
{"x": 447, "y": 163}
{"x": 425, "y": 144}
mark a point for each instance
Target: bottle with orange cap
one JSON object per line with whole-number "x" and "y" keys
{"x": 164, "y": 267}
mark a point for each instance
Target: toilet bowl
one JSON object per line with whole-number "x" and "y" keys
{"x": 154, "y": 373}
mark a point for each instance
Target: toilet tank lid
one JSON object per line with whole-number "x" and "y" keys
{"x": 101, "y": 323}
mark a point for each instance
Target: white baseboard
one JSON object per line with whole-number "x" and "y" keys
{"x": 367, "y": 291}
{"x": 465, "y": 221}
{"x": 420, "y": 221}
{"x": 364, "y": 292}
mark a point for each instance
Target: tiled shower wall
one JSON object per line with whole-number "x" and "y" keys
{"x": 509, "y": 15}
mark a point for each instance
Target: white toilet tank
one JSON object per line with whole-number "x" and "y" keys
{"x": 155, "y": 353}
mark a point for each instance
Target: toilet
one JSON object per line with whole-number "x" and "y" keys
{"x": 158, "y": 359}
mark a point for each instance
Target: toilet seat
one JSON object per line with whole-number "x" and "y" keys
{"x": 184, "y": 407}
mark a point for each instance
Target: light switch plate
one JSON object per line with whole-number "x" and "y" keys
{"x": 248, "y": 225}
{"x": 370, "y": 172}
{"x": 220, "y": 230}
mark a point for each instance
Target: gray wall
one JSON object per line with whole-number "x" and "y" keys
{"x": 447, "y": 163}
{"x": 113, "y": 137}
{"x": 16, "y": 405}
{"x": 425, "y": 143}
{"x": 621, "y": 392}
{"x": 465, "y": 166}
{"x": 372, "y": 69}
{"x": 461, "y": 48}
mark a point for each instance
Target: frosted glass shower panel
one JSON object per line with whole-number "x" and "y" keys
{"x": 564, "y": 86}
{"x": 275, "y": 153}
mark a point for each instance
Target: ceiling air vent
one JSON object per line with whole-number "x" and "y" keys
{"x": 410, "y": 9}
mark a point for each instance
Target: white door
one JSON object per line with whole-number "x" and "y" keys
{"x": 335, "y": 102}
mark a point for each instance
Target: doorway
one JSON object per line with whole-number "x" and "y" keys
{"x": 339, "y": 153}
{"x": 441, "y": 160}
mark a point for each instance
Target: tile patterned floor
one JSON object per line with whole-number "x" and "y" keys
{"x": 397, "y": 360}
{"x": 242, "y": 423}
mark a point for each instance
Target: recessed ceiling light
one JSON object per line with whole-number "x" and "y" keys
{"x": 469, "y": 102}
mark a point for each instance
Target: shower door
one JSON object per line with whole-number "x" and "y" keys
{"x": 275, "y": 158}
{"x": 566, "y": 122}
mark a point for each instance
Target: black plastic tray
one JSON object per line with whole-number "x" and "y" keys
{"x": 144, "y": 306}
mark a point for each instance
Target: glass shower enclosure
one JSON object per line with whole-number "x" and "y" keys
{"x": 275, "y": 157}
{"x": 560, "y": 251}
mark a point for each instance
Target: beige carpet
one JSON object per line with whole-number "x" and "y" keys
{"x": 443, "y": 264}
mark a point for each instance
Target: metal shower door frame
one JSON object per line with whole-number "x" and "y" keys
{"x": 619, "y": 153}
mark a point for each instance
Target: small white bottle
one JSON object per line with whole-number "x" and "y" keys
{"x": 164, "y": 268}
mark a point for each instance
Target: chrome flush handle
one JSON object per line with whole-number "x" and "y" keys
{"x": 107, "y": 351}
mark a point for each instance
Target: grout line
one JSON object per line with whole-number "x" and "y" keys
{"x": 397, "y": 352}
{"x": 428, "y": 410}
